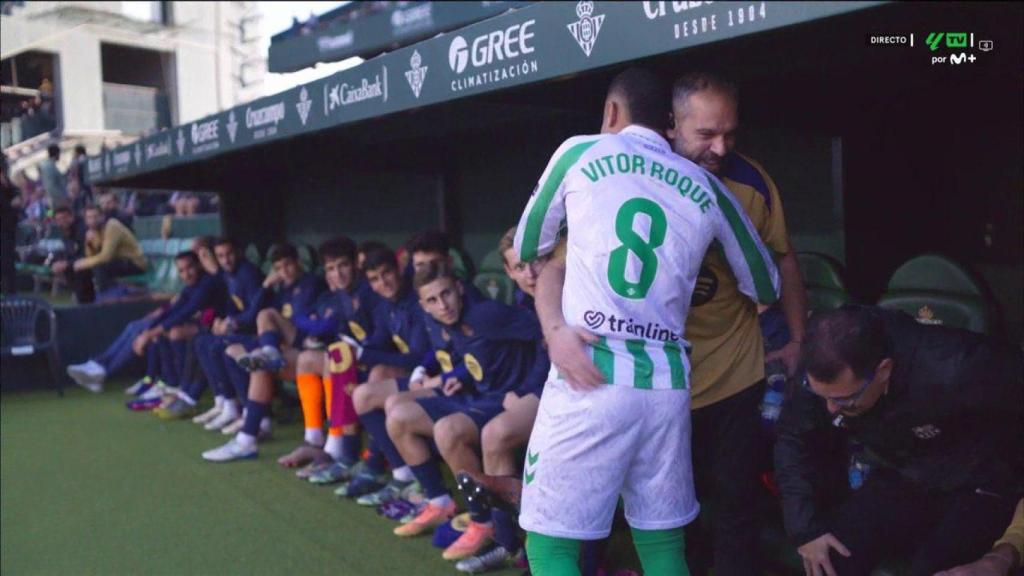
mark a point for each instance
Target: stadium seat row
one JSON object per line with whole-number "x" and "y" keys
{"x": 931, "y": 287}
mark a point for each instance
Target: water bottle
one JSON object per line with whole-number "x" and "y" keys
{"x": 859, "y": 468}
{"x": 774, "y": 394}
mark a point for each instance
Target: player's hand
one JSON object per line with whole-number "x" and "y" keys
{"x": 357, "y": 348}
{"x": 509, "y": 401}
{"x": 567, "y": 347}
{"x": 140, "y": 343}
{"x": 272, "y": 279}
{"x": 428, "y": 383}
{"x": 220, "y": 327}
{"x": 790, "y": 356}
{"x": 451, "y": 386}
{"x": 419, "y": 373}
{"x": 816, "y": 555}
{"x": 59, "y": 266}
{"x": 78, "y": 265}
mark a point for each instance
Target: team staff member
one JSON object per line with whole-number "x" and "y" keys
{"x": 111, "y": 250}
{"x": 727, "y": 359}
{"x": 728, "y": 352}
{"x": 941, "y": 409}
{"x": 637, "y": 230}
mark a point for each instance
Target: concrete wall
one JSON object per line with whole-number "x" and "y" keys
{"x": 73, "y": 31}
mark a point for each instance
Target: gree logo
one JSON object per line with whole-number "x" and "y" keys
{"x": 498, "y": 45}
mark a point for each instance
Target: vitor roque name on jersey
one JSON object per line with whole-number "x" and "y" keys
{"x": 623, "y": 163}
{"x": 651, "y": 330}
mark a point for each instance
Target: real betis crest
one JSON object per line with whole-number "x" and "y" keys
{"x": 303, "y": 105}
{"x": 232, "y": 125}
{"x": 417, "y": 74}
{"x": 586, "y": 29}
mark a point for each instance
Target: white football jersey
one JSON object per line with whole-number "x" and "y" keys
{"x": 640, "y": 219}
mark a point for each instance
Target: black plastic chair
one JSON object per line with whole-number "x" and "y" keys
{"x": 29, "y": 326}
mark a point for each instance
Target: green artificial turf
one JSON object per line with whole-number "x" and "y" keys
{"x": 87, "y": 487}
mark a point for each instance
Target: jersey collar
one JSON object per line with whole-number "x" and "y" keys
{"x": 646, "y": 134}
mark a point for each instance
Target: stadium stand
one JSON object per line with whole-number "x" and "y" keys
{"x": 823, "y": 279}
{"x": 937, "y": 290}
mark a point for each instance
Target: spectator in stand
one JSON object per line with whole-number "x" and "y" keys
{"x": 111, "y": 250}
{"x": 8, "y": 228}
{"x": 51, "y": 178}
{"x": 72, "y": 234}
{"x": 78, "y": 189}
{"x": 111, "y": 208}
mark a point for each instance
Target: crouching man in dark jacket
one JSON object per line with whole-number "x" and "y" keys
{"x": 941, "y": 410}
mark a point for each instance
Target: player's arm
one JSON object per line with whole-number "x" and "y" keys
{"x": 538, "y": 375}
{"x": 537, "y": 233}
{"x": 496, "y": 321}
{"x": 383, "y": 353}
{"x": 800, "y": 423}
{"x": 199, "y": 297}
{"x": 566, "y": 345}
{"x": 750, "y": 260}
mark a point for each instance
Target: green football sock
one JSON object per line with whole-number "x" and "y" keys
{"x": 660, "y": 552}
{"x": 551, "y": 556}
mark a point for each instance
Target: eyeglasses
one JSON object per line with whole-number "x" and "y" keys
{"x": 845, "y": 401}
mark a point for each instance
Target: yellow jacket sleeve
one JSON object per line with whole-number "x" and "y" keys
{"x": 1014, "y": 535}
{"x": 118, "y": 242}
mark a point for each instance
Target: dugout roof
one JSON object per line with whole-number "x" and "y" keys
{"x": 533, "y": 44}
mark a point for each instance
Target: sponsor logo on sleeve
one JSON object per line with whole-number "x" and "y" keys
{"x": 400, "y": 344}
{"x": 445, "y": 360}
{"x": 474, "y": 367}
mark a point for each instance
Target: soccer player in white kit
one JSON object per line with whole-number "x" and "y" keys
{"x": 640, "y": 219}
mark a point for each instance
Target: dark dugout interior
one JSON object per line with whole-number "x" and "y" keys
{"x": 879, "y": 154}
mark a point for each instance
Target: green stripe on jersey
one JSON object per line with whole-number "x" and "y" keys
{"x": 643, "y": 367}
{"x": 676, "y": 366}
{"x": 604, "y": 359}
{"x": 545, "y": 194}
{"x": 755, "y": 262}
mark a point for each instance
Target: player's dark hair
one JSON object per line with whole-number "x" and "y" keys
{"x": 340, "y": 247}
{"x": 699, "y": 80}
{"x": 380, "y": 256}
{"x": 226, "y": 240}
{"x": 282, "y": 251}
{"x": 430, "y": 241}
{"x": 507, "y": 241}
{"x": 370, "y": 245}
{"x": 53, "y": 151}
{"x": 207, "y": 242}
{"x": 433, "y": 271}
{"x": 79, "y": 149}
{"x": 646, "y": 95}
{"x": 63, "y": 207}
{"x": 851, "y": 336}
{"x": 190, "y": 256}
